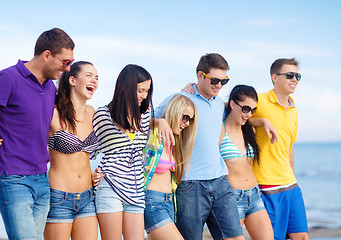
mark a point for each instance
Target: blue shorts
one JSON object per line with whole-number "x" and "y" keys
{"x": 107, "y": 201}
{"x": 248, "y": 201}
{"x": 286, "y": 211}
{"x": 210, "y": 201}
{"x": 159, "y": 210}
{"x": 65, "y": 207}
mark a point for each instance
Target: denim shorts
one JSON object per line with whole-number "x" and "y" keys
{"x": 210, "y": 201}
{"x": 65, "y": 207}
{"x": 248, "y": 201}
{"x": 286, "y": 211}
{"x": 107, "y": 201}
{"x": 159, "y": 210}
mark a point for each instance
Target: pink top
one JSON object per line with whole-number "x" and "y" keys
{"x": 164, "y": 164}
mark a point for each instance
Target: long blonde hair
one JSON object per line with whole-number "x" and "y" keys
{"x": 182, "y": 150}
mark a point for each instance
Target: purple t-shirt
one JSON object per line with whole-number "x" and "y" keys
{"x": 26, "y": 110}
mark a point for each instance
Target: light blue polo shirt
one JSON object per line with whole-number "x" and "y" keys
{"x": 206, "y": 162}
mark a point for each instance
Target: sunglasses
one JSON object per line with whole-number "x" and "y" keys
{"x": 247, "y": 109}
{"x": 66, "y": 63}
{"x": 215, "y": 81}
{"x": 186, "y": 118}
{"x": 291, "y": 75}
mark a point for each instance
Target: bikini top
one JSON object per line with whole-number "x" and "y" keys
{"x": 66, "y": 142}
{"x": 229, "y": 151}
{"x": 164, "y": 164}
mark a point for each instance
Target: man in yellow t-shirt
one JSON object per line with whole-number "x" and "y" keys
{"x": 275, "y": 172}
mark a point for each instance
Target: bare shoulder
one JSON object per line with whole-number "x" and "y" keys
{"x": 91, "y": 111}
{"x": 55, "y": 123}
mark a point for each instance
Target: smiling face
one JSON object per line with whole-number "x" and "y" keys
{"x": 282, "y": 84}
{"x": 205, "y": 88}
{"x": 142, "y": 90}
{"x": 86, "y": 82}
{"x": 236, "y": 111}
{"x": 188, "y": 112}
{"x": 56, "y": 63}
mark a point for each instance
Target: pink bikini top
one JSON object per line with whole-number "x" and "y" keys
{"x": 164, "y": 164}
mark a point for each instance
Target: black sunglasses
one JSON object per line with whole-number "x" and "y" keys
{"x": 186, "y": 118}
{"x": 215, "y": 81}
{"x": 247, "y": 109}
{"x": 291, "y": 75}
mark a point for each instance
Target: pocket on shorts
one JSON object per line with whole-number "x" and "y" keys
{"x": 56, "y": 200}
{"x": 12, "y": 178}
{"x": 185, "y": 186}
{"x": 237, "y": 196}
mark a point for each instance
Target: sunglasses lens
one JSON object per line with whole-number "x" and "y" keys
{"x": 224, "y": 81}
{"x": 290, "y": 75}
{"x": 298, "y": 76}
{"x": 253, "y": 110}
{"x": 214, "y": 81}
{"x": 185, "y": 118}
{"x": 246, "y": 109}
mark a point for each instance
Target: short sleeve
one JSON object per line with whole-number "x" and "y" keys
{"x": 5, "y": 89}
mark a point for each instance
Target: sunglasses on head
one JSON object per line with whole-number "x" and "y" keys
{"x": 186, "y": 118}
{"x": 291, "y": 75}
{"x": 247, "y": 109}
{"x": 215, "y": 81}
{"x": 66, "y": 63}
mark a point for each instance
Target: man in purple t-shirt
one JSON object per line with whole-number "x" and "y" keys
{"x": 26, "y": 108}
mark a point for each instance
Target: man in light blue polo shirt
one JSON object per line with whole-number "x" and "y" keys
{"x": 204, "y": 194}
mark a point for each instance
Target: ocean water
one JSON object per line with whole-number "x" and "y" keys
{"x": 318, "y": 171}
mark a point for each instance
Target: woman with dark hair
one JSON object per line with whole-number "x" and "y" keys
{"x": 71, "y": 139}
{"x": 122, "y": 131}
{"x": 239, "y": 149}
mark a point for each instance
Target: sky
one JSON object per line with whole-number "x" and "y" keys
{"x": 168, "y": 38}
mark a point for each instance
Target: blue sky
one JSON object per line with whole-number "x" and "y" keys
{"x": 169, "y": 37}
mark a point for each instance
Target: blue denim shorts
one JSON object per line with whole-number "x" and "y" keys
{"x": 107, "y": 201}
{"x": 210, "y": 201}
{"x": 159, "y": 210}
{"x": 65, "y": 207}
{"x": 286, "y": 211}
{"x": 248, "y": 201}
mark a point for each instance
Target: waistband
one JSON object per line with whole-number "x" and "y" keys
{"x": 72, "y": 196}
{"x": 246, "y": 191}
{"x": 159, "y": 195}
{"x": 279, "y": 189}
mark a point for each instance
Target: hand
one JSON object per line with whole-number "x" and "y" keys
{"x": 165, "y": 132}
{"x": 270, "y": 131}
{"x": 1, "y": 141}
{"x": 188, "y": 88}
{"x": 96, "y": 177}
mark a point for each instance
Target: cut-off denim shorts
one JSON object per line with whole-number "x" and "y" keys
{"x": 159, "y": 210}
{"x": 248, "y": 201}
{"x": 107, "y": 200}
{"x": 65, "y": 207}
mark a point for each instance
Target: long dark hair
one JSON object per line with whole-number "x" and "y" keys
{"x": 63, "y": 101}
{"x": 124, "y": 104}
{"x": 238, "y": 94}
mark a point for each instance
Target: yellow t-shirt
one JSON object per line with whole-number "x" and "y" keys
{"x": 274, "y": 167}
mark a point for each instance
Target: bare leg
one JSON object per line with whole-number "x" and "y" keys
{"x": 57, "y": 231}
{"x": 133, "y": 226}
{"x": 168, "y": 231}
{"x": 299, "y": 236}
{"x": 85, "y": 228}
{"x": 110, "y": 225}
{"x": 259, "y": 226}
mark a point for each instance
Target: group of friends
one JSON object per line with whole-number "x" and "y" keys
{"x": 195, "y": 159}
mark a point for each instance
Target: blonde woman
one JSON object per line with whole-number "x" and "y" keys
{"x": 181, "y": 115}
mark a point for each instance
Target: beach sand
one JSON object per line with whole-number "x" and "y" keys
{"x": 314, "y": 233}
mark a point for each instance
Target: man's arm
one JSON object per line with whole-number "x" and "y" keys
{"x": 291, "y": 157}
{"x": 268, "y": 127}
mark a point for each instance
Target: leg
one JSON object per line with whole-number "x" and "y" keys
{"x": 17, "y": 202}
{"x": 110, "y": 225}
{"x": 259, "y": 226}
{"x": 299, "y": 236}
{"x": 85, "y": 228}
{"x": 133, "y": 221}
{"x": 223, "y": 220}
{"x": 168, "y": 231}
{"x": 57, "y": 231}
{"x": 193, "y": 208}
